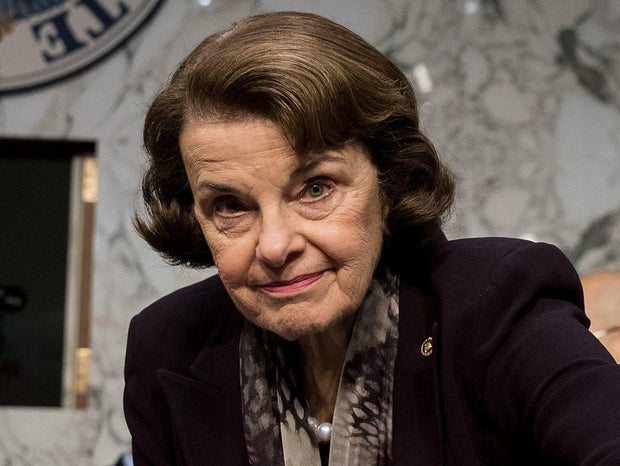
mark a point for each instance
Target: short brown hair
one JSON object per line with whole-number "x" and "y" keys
{"x": 325, "y": 87}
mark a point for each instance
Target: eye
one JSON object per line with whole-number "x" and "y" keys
{"x": 228, "y": 206}
{"x": 316, "y": 190}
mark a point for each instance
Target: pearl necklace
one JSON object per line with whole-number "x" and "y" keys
{"x": 322, "y": 431}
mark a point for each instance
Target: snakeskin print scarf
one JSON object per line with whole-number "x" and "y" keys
{"x": 276, "y": 427}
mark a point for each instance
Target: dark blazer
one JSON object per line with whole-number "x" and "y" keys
{"x": 514, "y": 376}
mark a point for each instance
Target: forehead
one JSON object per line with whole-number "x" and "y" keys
{"x": 248, "y": 142}
{"x": 220, "y": 140}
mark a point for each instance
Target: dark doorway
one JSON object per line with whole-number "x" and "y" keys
{"x": 38, "y": 212}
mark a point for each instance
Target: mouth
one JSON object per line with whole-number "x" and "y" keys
{"x": 296, "y": 284}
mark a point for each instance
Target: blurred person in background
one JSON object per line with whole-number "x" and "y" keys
{"x": 602, "y": 302}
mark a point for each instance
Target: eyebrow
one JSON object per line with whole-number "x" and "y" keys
{"x": 300, "y": 171}
{"x": 314, "y": 162}
{"x": 224, "y": 188}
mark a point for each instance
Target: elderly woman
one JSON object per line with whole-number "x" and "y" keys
{"x": 342, "y": 326}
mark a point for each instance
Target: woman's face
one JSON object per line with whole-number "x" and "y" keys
{"x": 295, "y": 239}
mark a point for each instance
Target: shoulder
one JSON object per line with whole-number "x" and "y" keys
{"x": 486, "y": 287}
{"x": 185, "y": 303}
{"x": 191, "y": 293}
{"x": 486, "y": 252}
{"x": 472, "y": 265}
{"x": 177, "y": 325}
{"x": 495, "y": 294}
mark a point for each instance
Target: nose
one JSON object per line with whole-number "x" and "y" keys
{"x": 279, "y": 239}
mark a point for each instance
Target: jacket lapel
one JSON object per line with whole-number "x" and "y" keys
{"x": 416, "y": 415}
{"x": 206, "y": 410}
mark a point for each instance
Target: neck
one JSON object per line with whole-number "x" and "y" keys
{"x": 322, "y": 358}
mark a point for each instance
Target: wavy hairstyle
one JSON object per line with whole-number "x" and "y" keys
{"x": 325, "y": 87}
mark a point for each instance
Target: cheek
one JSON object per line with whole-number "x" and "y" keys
{"x": 232, "y": 257}
{"x": 356, "y": 242}
{"x": 368, "y": 224}
{"x": 232, "y": 262}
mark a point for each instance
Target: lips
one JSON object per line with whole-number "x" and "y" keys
{"x": 298, "y": 283}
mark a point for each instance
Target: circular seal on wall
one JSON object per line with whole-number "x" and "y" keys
{"x": 46, "y": 40}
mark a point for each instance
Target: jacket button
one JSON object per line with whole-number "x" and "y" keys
{"x": 427, "y": 347}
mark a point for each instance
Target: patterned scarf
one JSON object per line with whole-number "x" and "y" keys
{"x": 277, "y": 432}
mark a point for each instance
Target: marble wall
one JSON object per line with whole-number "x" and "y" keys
{"x": 522, "y": 98}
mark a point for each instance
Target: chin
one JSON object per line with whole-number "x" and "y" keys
{"x": 294, "y": 331}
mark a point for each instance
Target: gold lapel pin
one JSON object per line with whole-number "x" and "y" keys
{"x": 427, "y": 347}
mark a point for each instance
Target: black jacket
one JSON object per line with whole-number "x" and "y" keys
{"x": 514, "y": 376}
